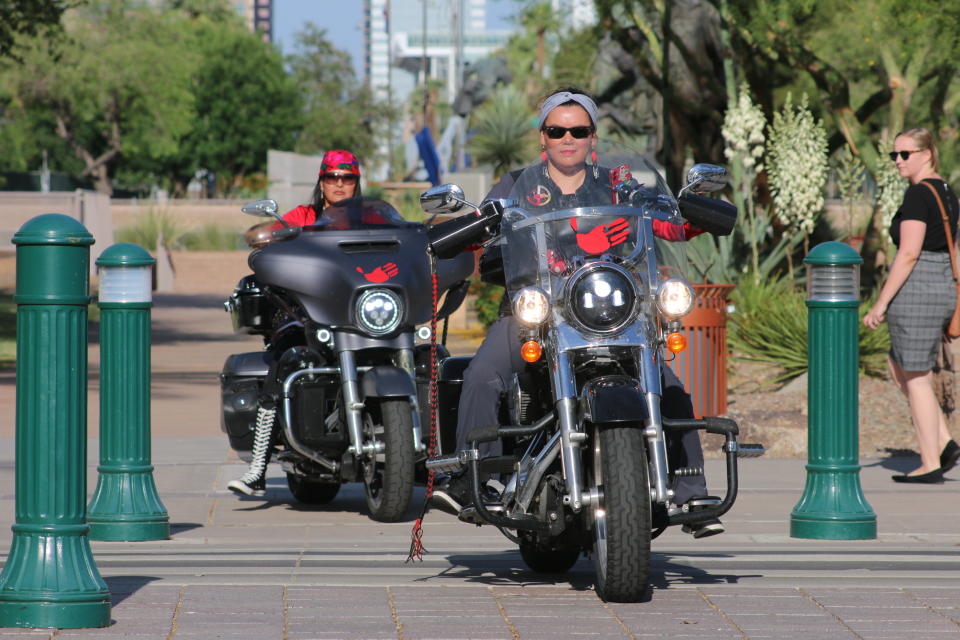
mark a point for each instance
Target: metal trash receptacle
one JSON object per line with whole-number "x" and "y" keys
{"x": 702, "y": 367}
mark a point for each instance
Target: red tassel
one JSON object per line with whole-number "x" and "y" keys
{"x": 593, "y": 157}
{"x": 543, "y": 156}
{"x": 416, "y": 545}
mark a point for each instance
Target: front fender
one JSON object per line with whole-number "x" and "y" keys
{"x": 385, "y": 381}
{"x": 613, "y": 400}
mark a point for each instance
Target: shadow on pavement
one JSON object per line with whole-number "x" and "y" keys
{"x": 122, "y": 587}
{"x": 181, "y": 527}
{"x": 506, "y": 569}
{"x": 665, "y": 574}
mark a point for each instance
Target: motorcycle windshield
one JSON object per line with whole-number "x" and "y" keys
{"x": 622, "y": 215}
{"x": 360, "y": 214}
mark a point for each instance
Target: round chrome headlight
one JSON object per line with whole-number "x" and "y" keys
{"x": 675, "y": 298}
{"x": 601, "y": 298}
{"x": 379, "y": 311}
{"x": 531, "y": 307}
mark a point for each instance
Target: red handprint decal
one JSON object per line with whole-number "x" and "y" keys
{"x": 602, "y": 237}
{"x": 381, "y": 274}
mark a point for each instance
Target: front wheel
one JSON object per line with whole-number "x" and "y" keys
{"x": 621, "y": 524}
{"x": 388, "y": 474}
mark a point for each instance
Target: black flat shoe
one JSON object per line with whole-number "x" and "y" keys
{"x": 931, "y": 477}
{"x": 949, "y": 456}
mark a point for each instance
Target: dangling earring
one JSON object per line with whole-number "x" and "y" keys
{"x": 593, "y": 161}
{"x": 593, "y": 156}
{"x": 543, "y": 153}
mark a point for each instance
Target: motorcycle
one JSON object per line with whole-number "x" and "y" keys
{"x": 338, "y": 305}
{"x": 600, "y": 299}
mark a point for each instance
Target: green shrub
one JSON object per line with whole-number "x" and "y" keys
{"x": 769, "y": 324}
{"x": 148, "y": 226}
{"x": 487, "y": 301}
{"x": 213, "y": 237}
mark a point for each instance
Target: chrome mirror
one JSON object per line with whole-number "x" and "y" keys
{"x": 444, "y": 198}
{"x": 264, "y": 209}
{"x": 705, "y": 178}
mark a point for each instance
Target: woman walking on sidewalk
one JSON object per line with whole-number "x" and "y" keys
{"x": 918, "y": 298}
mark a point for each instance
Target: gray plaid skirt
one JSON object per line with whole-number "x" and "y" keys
{"x": 919, "y": 313}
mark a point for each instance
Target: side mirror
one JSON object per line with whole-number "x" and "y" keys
{"x": 705, "y": 178}
{"x": 264, "y": 209}
{"x": 445, "y": 198}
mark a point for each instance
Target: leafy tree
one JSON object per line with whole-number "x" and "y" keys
{"x": 245, "y": 104}
{"x": 337, "y": 111}
{"x": 98, "y": 108}
{"x": 28, "y": 18}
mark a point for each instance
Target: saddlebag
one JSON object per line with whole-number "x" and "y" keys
{"x": 240, "y": 383}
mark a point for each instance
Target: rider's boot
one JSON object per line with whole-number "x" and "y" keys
{"x": 454, "y": 493}
{"x": 704, "y": 528}
{"x": 253, "y": 482}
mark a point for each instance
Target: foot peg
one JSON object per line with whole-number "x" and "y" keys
{"x": 744, "y": 450}
{"x": 469, "y": 513}
{"x": 684, "y": 472}
{"x": 694, "y": 504}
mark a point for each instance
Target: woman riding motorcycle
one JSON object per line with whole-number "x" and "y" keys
{"x": 568, "y": 122}
{"x": 339, "y": 179}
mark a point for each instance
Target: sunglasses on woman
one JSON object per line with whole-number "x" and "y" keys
{"x": 904, "y": 155}
{"x": 555, "y": 133}
{"x": 333, "y": 178}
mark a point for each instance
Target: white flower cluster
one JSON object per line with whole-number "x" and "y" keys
{"x": 743, "y": 130}
{"x": 890, "y": 186}
{"x": 797, "y": 165}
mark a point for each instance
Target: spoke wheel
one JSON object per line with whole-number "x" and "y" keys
{"x": 312, "y": 492}
{"x": 388, "y": 474}
{"x": 621, "y": 524}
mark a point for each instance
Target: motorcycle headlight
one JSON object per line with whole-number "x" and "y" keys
{"x": 601, "y": 298}
{"x": 531, "y": 307}
{"x": 379, "y": 311}
{"x": 675, "y": 298}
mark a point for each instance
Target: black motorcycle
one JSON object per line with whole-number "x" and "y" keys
{"x": 338, "y": 305}
{"x": 600, "y": 297}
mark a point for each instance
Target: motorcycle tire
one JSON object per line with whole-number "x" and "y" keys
{"x": 551, "y": 561}
{"x": 309, "y": 492}
{"x": 621, "y": 533}
{"x": 388, "y": 476}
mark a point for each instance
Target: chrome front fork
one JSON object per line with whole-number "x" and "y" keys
{"x": 405, "y": 361}
{"x": 352, "y": 403}
{"x": 572, "y": 437}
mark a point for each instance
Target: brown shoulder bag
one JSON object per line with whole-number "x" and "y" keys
{"x": 953, "y": 329}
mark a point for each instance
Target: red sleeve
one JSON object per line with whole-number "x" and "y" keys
{"x": 299, "y": 217}
{"x": 675, "y": 232}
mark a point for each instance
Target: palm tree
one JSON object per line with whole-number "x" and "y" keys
{"x": 504, "y": 132}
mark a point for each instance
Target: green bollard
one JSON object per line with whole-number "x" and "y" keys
{"x": 833, "y": 506}
{"x": 50, "y": 578}
{"x": 125, "y": 505}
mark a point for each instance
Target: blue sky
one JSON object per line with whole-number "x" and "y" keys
{"x": 343, "y": 21}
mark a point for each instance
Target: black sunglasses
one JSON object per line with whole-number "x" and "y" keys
{"x": 904, "y": 155}
{"x": 332, "y": 178}
{"x": 555, "y": 133}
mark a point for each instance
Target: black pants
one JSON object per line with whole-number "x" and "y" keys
{"x": 492, "y": 369}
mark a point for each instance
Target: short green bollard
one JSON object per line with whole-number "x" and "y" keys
{"x": 50, "y": 578}
{"x": 833, "y": 506}
{"x": 125, "y": 505}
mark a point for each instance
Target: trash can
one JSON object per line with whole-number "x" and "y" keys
{"x": 702, "y": 367}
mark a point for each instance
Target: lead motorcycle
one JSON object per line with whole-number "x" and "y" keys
{"x": 600, "y": 299}
{"x": 338, "y": 305}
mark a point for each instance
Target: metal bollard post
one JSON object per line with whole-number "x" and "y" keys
{"x": 833, "y": 506}
{"x": 125, "y": 504}
{"x": 50, "y": 578}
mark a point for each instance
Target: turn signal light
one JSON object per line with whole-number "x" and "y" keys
{"x": 531, "y": 351}
{"x": 676, "y": 342}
